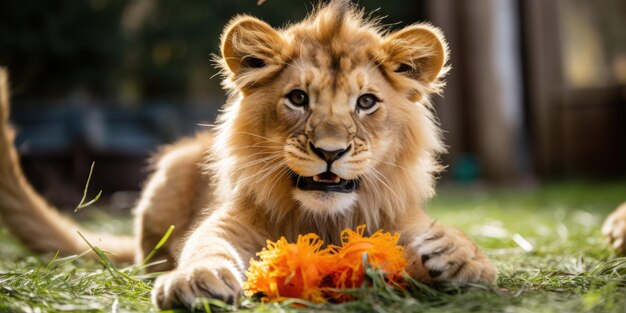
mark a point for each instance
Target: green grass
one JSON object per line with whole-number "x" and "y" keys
{"x": 565, "y": 266}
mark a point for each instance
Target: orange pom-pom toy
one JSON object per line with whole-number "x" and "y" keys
{"x": 290, "y": 270}
{"x": 304, "y": 270}
{"x": 383, "y": 253}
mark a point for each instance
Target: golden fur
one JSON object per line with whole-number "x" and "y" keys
{"x": 229, "y": 190}
{"x": 614, "y": 229}
{"x": 26, "y": 213}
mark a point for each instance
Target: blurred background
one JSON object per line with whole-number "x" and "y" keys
{"x": 537, "y": 91}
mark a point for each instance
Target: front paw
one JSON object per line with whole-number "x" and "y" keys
{"x": 615, "y": 229}
{"x": 445, "y": 254}
{"x": 215, "y": 279}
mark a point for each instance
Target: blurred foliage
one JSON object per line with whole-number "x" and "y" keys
{"x": 134, "y": 50}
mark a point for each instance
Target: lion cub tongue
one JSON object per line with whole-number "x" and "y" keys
{"x": 327, "y": 177}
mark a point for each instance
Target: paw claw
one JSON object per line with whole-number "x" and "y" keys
{"x": 181, "y": 287}
{"x": 434, "y": 273}
{"x": 447, "y": 255}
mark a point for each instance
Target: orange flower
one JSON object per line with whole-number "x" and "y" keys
{"x": 383, "y": 253}
{"x": 288, "y": 270}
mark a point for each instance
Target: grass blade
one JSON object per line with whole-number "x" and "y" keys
{"x": 82, "y": 203}
{"x": 160, "y": 244}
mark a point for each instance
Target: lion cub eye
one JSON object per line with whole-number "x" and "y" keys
{"x": 298, "y": 98}
{"x": 367, "y": 102}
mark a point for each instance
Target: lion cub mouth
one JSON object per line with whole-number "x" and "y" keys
{"x": 326, "y": 181}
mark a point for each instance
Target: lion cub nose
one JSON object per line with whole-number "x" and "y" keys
{"x": 329, "y": 156}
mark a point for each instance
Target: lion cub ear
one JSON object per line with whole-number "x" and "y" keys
{"x": 249, "y": 46}
{"x": 418, "y": 52}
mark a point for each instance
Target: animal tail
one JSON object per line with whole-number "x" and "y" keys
{"x": 30, "y": 218}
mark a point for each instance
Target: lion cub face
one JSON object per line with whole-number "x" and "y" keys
{"x": 340, "y": 127}
{"x": 328, "y": 103}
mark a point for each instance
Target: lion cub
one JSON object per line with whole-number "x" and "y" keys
{"x": 328, "y": 126}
